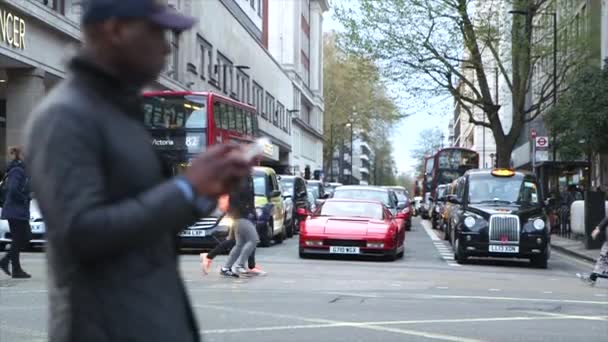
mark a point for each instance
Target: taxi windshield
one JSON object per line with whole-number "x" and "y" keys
{"x": 486, "y": 188}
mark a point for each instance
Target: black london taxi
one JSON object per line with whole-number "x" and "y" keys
{"x": 499, "y": 213}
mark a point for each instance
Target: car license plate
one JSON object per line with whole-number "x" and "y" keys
{"x": 343, "y": 250}
{"x": 504, "y": 249}
{"x": 37, "y": 228}
{"x": 194, "y": 232}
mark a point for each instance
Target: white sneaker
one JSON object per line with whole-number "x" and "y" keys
{"x": 238, "y": 269}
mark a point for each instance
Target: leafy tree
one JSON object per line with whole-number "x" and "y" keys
{"x": 405, "y": 180}
{"x": 429, "y": 141}
{"x": 438, "y": 47}
{"x": 355, "y": 93}
{"x": 581, "y": 116}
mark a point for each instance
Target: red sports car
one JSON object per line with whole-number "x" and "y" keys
{"x": 352, "y": 227}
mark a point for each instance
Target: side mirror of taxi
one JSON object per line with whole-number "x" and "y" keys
{"x": 453, "y": 199}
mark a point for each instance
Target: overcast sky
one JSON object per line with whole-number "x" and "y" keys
{"x": 405, "y": 134}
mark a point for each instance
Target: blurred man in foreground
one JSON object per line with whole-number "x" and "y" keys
{"x": 112, "y": 214}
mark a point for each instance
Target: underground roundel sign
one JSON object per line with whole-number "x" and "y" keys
{"x": 542, "y": 142}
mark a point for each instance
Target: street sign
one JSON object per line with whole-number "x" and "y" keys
{"x": 533, "y": 133}
{"x": 542, "y": 142}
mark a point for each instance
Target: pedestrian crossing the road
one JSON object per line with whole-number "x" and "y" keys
{"x": 443, "y": 247}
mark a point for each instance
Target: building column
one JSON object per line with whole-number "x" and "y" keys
{"x": 24, "y": 91}
{"x": 316, "y": 43}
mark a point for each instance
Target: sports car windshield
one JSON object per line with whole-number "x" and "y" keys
{"x": 352, "y": 209}
{"x": 486, "y": 188}
{"x": 363, "y": 194}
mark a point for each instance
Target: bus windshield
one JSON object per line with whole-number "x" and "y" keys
{"x": 175, "y": 112}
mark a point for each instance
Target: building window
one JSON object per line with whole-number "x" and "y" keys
{"x": 252, "y": 3}
{"x": 173, "y": 65}
{"x": 242, "y": 83}
{"x": 270, "y": 108}
{"x": 225, "y": 73}
{"x": 297, "y": 98}
{"x": 282, "y": 116}
{"x": 55, "y": 5}
{"x": 259, "y": 8}
{"x": 206, "y": 58}
{"x": 258, "y": 98}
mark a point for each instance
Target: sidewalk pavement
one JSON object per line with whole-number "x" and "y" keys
{"x": 574, "y": 247}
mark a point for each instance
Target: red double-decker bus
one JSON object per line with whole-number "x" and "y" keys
{"x": 446, "y": 166}
{"x": 183, "y": 124}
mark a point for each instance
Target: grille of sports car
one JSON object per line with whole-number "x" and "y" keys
{"x": 205, "y": 223}
{"x": 504, "y": 229}
{"x": 345, "y": 243}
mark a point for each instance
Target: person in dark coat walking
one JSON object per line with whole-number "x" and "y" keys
{"x": 16, "y": 210}
{"x": 112, "y": 216}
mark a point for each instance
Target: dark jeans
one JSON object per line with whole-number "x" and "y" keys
{"x": 225, "y": 247}
{"x": 20, "y": 236}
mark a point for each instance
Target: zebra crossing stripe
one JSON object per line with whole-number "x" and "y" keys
{"x": 444, "y": 251}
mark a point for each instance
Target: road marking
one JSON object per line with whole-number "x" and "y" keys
{"x": 516, "y": 299}
{"x": 444, "y": 250}
{"x": 430, "y": 232}
{"x": 346, "y": 294}
{"x": 442, "y": 287}
{"x": 494, "y": 290}
{"x": 332, "y": 323}
{"x": 601, "y": 295}
{"x": 565, "y": 316}
{"x": 381, "y": 325}
{"x": 548, "y": 292}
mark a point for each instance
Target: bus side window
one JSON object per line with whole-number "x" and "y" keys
{"x": 217, "y": 114}
{"x": 239, "y": 120}
{"x": 232, "y": 117}
{"x": 254, "y": 120}
{"x": 248, "y": 123}
{"x": 225, "y": 116}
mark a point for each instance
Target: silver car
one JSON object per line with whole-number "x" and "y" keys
{"x": 36, "y": 224}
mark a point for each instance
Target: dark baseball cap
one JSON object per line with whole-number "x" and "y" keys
{"x": 156, "y": 11}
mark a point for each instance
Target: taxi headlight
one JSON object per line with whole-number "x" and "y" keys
{"x": 539, "y": 224}
{"x": 227, "y": 222}
{"x": 469, "y": 222}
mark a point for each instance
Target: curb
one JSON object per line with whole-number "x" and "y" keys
{"x": 573, "y": 253}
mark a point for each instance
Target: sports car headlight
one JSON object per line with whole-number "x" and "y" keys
{"x": 469, "y": 222}
{"x": 539, "y": 224}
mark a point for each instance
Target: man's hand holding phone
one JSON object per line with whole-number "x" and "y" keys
{"x": 216, "y": 171}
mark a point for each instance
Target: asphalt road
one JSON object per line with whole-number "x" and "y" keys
{"x": 423, "y": 297}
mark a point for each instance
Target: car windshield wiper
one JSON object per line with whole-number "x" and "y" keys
{"x": 497, "y": 201}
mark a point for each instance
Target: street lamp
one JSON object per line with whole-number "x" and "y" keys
{"x": 350, "y": 124}
{"x": 554, "y": 17}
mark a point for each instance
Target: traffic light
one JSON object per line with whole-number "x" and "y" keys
{"x": 317, "y": 174}
{"x": 307, "y": 172}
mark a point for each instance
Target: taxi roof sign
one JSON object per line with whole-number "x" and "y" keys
{"x": 503, "y": 173}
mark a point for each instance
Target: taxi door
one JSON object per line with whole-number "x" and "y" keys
{"x": 276, "y": 198}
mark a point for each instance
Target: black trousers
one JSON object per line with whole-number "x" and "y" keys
{"x": 225, "y": 247}
{"x": 20, "y": 236}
